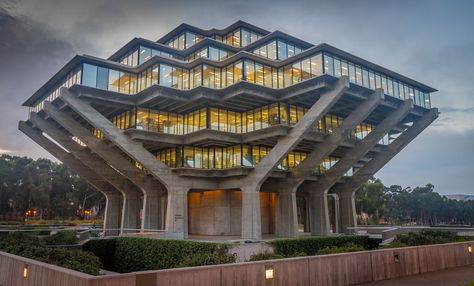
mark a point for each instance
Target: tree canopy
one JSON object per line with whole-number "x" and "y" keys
{"x": 376, "y": 203}
{"x": 49, "y": 188}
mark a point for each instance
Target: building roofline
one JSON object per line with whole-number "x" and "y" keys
{"x": 208, "y": 41}
{"x": 210, "y": 32}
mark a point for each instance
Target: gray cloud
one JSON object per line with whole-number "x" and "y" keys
{"x": 430, "y": 41}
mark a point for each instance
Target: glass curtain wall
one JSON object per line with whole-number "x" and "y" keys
{"x": 277, "y": 50}
{"x": 369, "y": 78}
{"x": 240, "y": 37}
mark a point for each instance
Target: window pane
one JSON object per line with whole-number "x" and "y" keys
{"x": 272, "y": 50}
{"x": 89, "y": 75}
{"x": 328, "y": 65}
{"x": 249, "y": 72}
{"x": 337, "y": 67}
{"x": 305, "y": 69}
{"x": 282, "y": 50}
{"x": 114, "y": 80}
{"x": 316, "y": 65}
{"x": 165, "y": 75}
{"x": 102, "y": 78}
{"x": 145, "y": 54}
{"x": 258, "y": 74}
{"x": 213, "y": 54}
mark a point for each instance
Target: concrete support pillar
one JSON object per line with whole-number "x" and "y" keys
{"x": 177, "y": 213}
{"x": 348, "y": 211}
{"x": 319, "y": 213}
{"x": 251, "y": 220}
{"x": 113, "y": 213}
{"x": 130, "y": 213}
{"x": 152, "y": 211}
{"x": 286, "y": 215}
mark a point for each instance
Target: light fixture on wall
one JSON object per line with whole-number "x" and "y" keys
{"x": 25, "y": 271}
{"x": 269, "y": 272}
{"x": 469, "y": 249}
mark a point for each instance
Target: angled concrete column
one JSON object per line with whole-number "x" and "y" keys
{"x": 319, "y": 213}
{"x": 284, "y": 145}
{"x": 251, "y": 220}
{"x": 113, "y": 213}
{"x": 286, "y": 218}
{"x": 177, "y": 213}
{"x": 130, "y": 209}
{"x": 111, "y": 225}
{"x": 349, "y": 188}
{"x": 132, "y": 148}
{"x": 147, "y": 184}
{"x": 348, "y": 211}
{"x": 323, "y": 150}
{"x": 363, "y": 147}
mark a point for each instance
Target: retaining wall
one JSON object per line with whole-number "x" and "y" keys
{"x": 330, "y": 270}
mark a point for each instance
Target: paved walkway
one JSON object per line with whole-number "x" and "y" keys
{"x": 455, "y": 276}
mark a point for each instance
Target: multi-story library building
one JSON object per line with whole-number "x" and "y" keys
{"x": 238, "y": 132}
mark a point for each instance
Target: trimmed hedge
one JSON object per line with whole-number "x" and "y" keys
{"x": 30, "y": 246}
{"x": 264, "y": 256}
{"x": 66, "y": 237}
{"x": 426, "y": 237}
{"x": 128, "y": 254}
{"x": 311, "y": 245}
{"x": 350, "y": 247}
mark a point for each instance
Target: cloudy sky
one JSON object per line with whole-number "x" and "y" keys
{"x": 430, "y": 41}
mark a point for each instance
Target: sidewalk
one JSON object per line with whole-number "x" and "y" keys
{"x": 454, "y": 276}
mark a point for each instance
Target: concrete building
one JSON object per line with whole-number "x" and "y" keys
{"x": 238, "y": 132}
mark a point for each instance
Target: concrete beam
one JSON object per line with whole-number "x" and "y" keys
{"x": 362, "y": 147}
{"x": 130, "y": 210}
{"x": 295, "y": 135}
{"x": 133, "y": 149}
{"x": 323, "y": 150}
{"x": 112, "y": 212}
{"x": 148, "y": 185}
{"x": 390, "y": 151}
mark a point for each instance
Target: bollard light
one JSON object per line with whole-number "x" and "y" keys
{"x": 25, "y": 271}
{"x": 469, "y": 249}
{"x": 269, "y": 272}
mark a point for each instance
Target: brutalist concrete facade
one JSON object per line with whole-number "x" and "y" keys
{"x": 238, "y": 131}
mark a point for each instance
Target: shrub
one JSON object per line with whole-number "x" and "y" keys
{"x": 426, "y": 237}
{"x": 30, "y": 246}
{"x": 264, "y": 256}
{"x": 104, "y": 249}
{"x": 311, "y": 245}
{"x": 75, "y": 259}
{"x": 128, "y": 254}
{"x": 62, "y": 238}
{"x": 350, "y": 247}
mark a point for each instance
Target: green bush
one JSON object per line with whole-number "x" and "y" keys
{"x": 30, "y": 246}
{"x": 426, "y": 237}
{"x": 350, "y": 247}
{"x": 128, "y": 254}
{"x": 264, "y": 256}
{"x": 62, "y": 238}
{"x": 104, "y": 249}
{"x": 311, "y": 245}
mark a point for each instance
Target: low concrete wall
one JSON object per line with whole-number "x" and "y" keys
{"x": 331, "y": 270}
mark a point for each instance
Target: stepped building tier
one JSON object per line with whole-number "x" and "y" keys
{"x": 238, "y": 132}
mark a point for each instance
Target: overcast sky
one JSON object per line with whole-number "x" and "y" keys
{"x": 430, "y": 41}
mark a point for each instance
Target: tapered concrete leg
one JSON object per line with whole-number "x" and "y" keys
{"x": 319, "y": 213}
{"x": 177, "y": 213}
{"x": 131, "y": 213}
{"x": 153, "y": 212}
{"x": 113, "y": 210}
{"x": 286, "y": 215}
{"x": 348, "y": 211}
{"x": 251, "y": 220}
